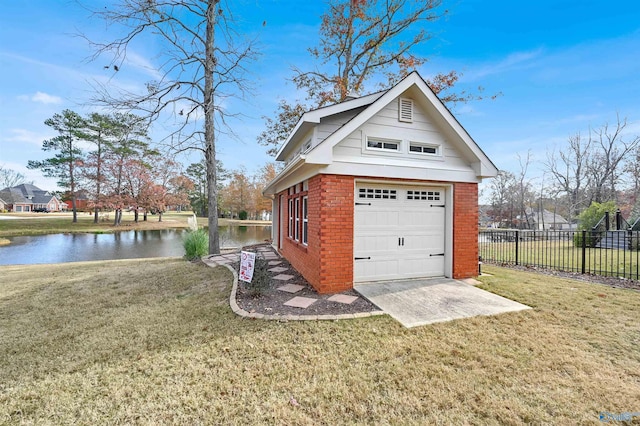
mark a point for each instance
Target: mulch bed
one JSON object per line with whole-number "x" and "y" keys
{"x": 271, "y": 300}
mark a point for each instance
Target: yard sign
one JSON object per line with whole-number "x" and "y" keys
{"x": 247, "y": 263}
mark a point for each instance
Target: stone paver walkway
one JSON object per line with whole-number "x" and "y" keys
{"x": 283, "y": 277}
{"x": 343, "y": 298}
{"x": 300, "y": 302}
{"x": 291, "y": 288}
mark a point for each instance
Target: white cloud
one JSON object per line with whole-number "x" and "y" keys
{"x": 41, "y": 97}
{"x": 144, "y": 64}
{"x": 27, "y": 136}
{"x": 34, "y": 176}
{"x": 46, "y": 98}
{"x": 514, "y": 61}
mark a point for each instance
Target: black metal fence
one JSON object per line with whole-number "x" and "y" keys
{"x": 608, "y": 253}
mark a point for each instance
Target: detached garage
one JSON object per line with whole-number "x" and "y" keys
{"x": 379, "y": 188}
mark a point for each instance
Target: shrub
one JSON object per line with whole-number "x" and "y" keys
{"x": 591, "y": 239}
{"x": 588, "y": 219}
{"x": 243, "y": 215}
{"x": 261, "y": 279}
{"x": 196, "y": 244}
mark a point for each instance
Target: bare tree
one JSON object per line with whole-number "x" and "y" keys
{"x": 605, "y": 169}
{"x": 501, "y": 198}
{"x": 9, "y": 177}
{"x": 202, "y": 63}
{"x": 524, "y": 191}
{"x": 632, "y": 169}
{"x": 568, "y": 171}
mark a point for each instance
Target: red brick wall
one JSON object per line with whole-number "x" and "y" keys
{"x": 306, "y": 259}
{"x": 465, "y": 230}
{"x": 327, "y": 260}
{"x": 336, "y": 234}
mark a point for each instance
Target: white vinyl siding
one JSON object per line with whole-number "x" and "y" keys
{"x": 385, "y": 125}
{"x": 330, "y": 124}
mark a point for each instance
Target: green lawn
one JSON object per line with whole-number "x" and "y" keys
{"x": 563, "y": 255}
{"x": 154, "y": 341}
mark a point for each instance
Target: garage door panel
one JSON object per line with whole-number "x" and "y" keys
{"x": 400, "y": 237}
{"x": 370, "y": 270}
{"x": 424, "y": 244}
{"x": 368, "y": 217}
{"x": 421, "y": 267}
{"x": 368, "y": 245}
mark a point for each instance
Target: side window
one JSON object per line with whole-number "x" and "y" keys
{"x": 305, "y": 220}
{"x": 291, "y": 218}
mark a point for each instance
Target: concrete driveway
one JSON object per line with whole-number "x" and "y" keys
{"x": 420, "y": 302}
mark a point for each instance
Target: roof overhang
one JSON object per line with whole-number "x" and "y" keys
{"x": 309, "y": 119}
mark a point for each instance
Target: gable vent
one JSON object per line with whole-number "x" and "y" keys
{"x": 405, "y": 110}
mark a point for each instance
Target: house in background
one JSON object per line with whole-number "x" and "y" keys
{"x": 27, "y": 198}
{"x": 3, "y": 205}
{"x": 15, "y": 201}
{"x": 546, "y": 220}
{"x": 381, "y": 187}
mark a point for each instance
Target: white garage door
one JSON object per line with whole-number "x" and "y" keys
{"x": 399, "y": 232}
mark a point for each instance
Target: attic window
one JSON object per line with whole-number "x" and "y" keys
{"x": 421, "y": 148}
{"x": 383, "y": 144}
{"x": 405, "y": 110}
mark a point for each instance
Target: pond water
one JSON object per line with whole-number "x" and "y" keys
{"x": 58, "y": 248}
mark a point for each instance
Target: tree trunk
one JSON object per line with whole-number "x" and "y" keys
{"x": 209, "y": 134}
{"x": 72, "y": 184}
{"x": 144, "y": 216}
{"x": 159, "y": 216}
{"x": 135, "y": 216}
{"x": 95, "y": 214}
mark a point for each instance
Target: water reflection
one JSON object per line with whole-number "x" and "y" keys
{"x": 58, "y": 248}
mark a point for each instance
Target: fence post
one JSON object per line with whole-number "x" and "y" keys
{"x": 606, "y": 220}
{"x": 584, "y": 251}
{"x": 517, "y": 244}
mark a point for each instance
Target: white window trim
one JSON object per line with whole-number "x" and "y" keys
{"x": 368, "y": 139}
{"x": 296, "y": 213}
{"x": 305, "y": 220}
{"x": 437, "y": 147}
{"x": 290, "y": 231}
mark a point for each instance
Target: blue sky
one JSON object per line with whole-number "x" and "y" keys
{"x": 561, "y": 66}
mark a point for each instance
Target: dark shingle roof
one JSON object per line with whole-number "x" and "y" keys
{"x": 13, "y": 196}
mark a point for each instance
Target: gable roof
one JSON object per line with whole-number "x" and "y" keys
{"x": 310, "y": 118}
{"x": 26, "y": 193}
{"x": 545, "y": 216}
{"x": 13, "y": 196}
{"x": 322, "y": 153}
